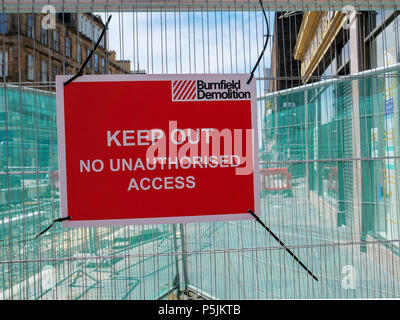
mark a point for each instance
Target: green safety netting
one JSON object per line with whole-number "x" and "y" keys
{"x": 335, "y": 228}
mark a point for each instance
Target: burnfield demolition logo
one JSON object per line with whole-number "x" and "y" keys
{"x": 223, "y": 90}
{"x": 191, "y": 90}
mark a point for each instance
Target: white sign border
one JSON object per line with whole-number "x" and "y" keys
{"x": 60, "y": 79}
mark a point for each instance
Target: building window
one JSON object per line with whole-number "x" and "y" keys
{"x": 374, "y": 19}
{"x": 30, "y": 67}
{"x": 89, "y": 64}
{"x": 43, "y": 36}
{"x": 79, "y": 52}
{"x": 96, "y": 62}
{"x": 3, "y": 63}
{"x": 30, "y": 31}
{"x": 55, "y": 72}
{"x": 67, "y": 47}
{"x": 65, "y": 18}
{"x": 344, "y": 54}
{"x": 56, "y": 40}
{"x": 103, "y": 65}
{"x": 384, "y": 47}
{"x": 43, "y": 71}
{"x": 3, "y": 22}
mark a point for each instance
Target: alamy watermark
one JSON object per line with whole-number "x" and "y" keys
{"x": 49, "y": 20}
{"x": 350, "y": 12}
{"x": 349, "y": 278}
{"x": 48, "y": 278}
{"x": 182, "y": 148}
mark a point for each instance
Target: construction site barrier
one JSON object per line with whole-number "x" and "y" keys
{"x": 276, "y": 179}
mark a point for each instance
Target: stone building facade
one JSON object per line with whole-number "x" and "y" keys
{"x": 31, "y": 53}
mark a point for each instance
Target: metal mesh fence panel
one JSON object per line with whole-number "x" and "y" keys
{"x": 329, "y": 138}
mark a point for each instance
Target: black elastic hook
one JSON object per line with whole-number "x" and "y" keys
{"x": 80, "y": 72}
{"x": 282, "y": 244}
{"x": 265, "y": 45}
{"x": 52, "y": 224}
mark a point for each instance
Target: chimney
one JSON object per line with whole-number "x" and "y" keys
{"x": 126, "y": 65}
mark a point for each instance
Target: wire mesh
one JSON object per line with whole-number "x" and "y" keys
{"x": 333, "y": 129}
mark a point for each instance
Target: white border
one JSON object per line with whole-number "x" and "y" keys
{"x": 158, "y": 77}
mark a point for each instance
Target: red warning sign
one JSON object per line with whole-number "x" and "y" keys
{"x": 146, "y": 149}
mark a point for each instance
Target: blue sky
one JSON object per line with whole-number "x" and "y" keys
{"x": 185, "y": 42}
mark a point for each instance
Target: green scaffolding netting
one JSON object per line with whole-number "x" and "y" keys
{"x": 338, "y": 142}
